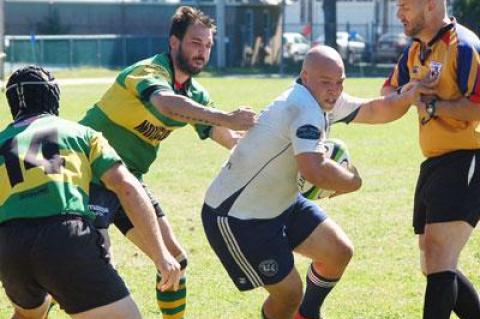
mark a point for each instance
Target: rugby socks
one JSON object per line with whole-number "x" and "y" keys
{"x": 468, "y": 301}
{"x": 317, "y": 290}
{"x": 173, "y": 303}
{"x": 440, "y": 295}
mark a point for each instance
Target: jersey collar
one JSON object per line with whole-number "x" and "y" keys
{"x": 426, "y": 50}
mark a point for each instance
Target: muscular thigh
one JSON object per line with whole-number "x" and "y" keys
{"x": 324, "y": 242}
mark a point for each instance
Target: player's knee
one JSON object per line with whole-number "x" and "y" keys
{"x": 344, "y": 251}
{"x": 438, "y": 256}
{"x": 433, "y": 248}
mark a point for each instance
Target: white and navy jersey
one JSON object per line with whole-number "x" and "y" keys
{"x": 259, "y": 179}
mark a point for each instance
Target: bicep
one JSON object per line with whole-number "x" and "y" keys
{"x": 308, "y": 163}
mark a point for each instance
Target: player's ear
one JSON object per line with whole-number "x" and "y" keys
{"x": 304, "y": 76}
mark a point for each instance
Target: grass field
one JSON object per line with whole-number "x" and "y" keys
{"x": 382, "y": 281}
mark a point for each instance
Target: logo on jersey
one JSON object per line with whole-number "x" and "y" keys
{"x": 268, "y": 267}
{"x": 308, "y": 132}
{"x": 152, "y": 132}
{"x": 435, "y": 69}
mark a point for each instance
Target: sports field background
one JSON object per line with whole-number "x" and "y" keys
{"x": 382, "y": 281}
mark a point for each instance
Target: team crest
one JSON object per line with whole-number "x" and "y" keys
{"x": 435, "y": 69}
{"x": 268, "y": 267}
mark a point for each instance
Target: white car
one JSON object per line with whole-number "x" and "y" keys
{"x": 295, "y": 46}
{"x": 351, "y": 46}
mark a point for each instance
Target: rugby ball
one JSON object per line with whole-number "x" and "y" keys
{"x": 337, "y": 151}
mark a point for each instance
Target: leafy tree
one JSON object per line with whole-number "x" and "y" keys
{"x": 467, "y": 12}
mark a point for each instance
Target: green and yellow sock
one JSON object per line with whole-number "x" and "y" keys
{"x": 173, "y": 303}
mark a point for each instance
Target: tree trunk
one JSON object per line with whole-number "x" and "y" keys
{"x": 330, "y": 18}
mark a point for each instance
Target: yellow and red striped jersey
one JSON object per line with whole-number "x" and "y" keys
{"x": 453, "y": 54}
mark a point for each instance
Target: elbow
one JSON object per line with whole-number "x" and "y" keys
{"x": 122, "y": 186}
{"x": 356, "y": 183}
{"x": 119, "y": 180}
{"x": 163, "y": 104}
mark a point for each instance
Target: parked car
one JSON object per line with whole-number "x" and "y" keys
{"x": 295, "y": 46}
{"x": 350, "y": 45}
{"x": 389, "y": 47}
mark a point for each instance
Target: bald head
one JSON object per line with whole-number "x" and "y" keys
{"x": 323, "y": 74}
{"x": 321, "y": 56}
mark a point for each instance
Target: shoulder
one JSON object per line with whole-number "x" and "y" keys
{"x": 155, "y": 66}
{"x": 299, "y": 97}
{"x": 73, "y": 129}
{"x": 466, "y": 38}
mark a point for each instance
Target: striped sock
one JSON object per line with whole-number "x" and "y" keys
{"x": 173, "y": 303}
{"x": 317, "y": 290}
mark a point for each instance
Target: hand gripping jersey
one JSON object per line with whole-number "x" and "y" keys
{"x": 453, "y": 54}
{"x": 131, "y": 124}
{"x": 259, "y": 179}
{"x": 46, "y": 165}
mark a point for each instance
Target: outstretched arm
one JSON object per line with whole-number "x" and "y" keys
{"x": 225, "y": 136}
{"x": 140, "y": 211}
{"x": 393, "y": 106}
{"x": 183, "y": 109}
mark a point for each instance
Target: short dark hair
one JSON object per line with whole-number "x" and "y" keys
{"x": 32, "y": 90}
{"x": 186, "y": 16}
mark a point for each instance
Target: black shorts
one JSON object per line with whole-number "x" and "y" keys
{"x": 107, "y": 208}
{"x": 448, "y": 189}
{"x": 61, "y": 255}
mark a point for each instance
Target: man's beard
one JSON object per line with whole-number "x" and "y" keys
{"x": 184, "y": 66}
{"x": 417, "y": 25}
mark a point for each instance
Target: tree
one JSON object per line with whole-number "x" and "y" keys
{"x": 330, "y": 18}
{"x": 467, "y": 13}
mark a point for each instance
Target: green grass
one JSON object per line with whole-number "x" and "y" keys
{"x": 383, "y": 280}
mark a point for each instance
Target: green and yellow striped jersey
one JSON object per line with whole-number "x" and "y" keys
{"x": 46, "y": 166}
{"x": 131, "y": 124}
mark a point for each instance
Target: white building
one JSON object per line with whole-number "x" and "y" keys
{"x": 363, "y": 16}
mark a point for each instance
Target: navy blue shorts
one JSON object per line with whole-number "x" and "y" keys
{"x": 259, "y": 252}
{"x": 107, "y": 208}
